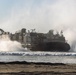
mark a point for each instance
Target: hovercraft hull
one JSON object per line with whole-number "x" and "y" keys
{"x": 51, "y": 46}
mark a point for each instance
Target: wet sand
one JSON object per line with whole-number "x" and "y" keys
{"x": 23, "y": 68}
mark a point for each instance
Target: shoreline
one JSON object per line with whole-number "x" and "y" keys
{"x": 25, "y": 68}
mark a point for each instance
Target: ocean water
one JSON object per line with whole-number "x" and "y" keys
{"x": 51, "y": 57}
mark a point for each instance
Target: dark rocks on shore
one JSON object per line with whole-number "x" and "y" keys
{"x": 37, "y": 63}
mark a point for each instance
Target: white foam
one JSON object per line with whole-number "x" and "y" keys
{"x": 39, "y": 53}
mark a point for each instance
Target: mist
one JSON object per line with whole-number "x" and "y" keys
{"x": 58, "y": 15}
{"x": 6, "y": 45}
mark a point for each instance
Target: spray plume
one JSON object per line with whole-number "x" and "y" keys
{"x": 7, "y": 45}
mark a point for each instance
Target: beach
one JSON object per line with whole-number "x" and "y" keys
{"x": 23, "y": 68}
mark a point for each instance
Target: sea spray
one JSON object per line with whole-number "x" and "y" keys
{"x": 71, "y": 38}
{"x": 7, "y": 45}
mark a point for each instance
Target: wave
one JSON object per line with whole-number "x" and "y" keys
{"x": 39, "y": 53}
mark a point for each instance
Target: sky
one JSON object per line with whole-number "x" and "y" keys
{"x": 41, "y": 15}
{"x": 30, "y": 14}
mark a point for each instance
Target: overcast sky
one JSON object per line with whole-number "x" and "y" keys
{"x": 42, "y": 15}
